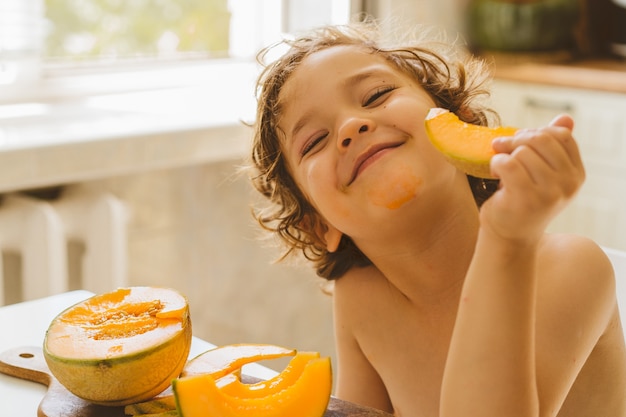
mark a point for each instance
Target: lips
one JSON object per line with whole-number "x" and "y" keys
{"x": 369, "y": 156}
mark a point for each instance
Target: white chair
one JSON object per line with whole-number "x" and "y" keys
{"x": 618, "y": 258}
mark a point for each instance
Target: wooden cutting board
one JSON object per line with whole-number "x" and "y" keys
{"x": 28, "y": 363}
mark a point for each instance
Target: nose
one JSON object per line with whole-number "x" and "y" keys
{"x": 351, "y": 130}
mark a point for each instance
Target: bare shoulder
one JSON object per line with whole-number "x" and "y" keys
{"x": 362, "y": 300}
{"x": 580, "y": 344}
{"x": 576, "y": 283}
{"x": 575, "y": 266}
{"x": 357, "y": 284}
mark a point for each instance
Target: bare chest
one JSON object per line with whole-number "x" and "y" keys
{"x": 409, "y": 352}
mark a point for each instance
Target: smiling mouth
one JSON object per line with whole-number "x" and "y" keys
{"x": 368, "y": 157}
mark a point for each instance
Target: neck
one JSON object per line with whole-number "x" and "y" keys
{"x": 428, "y": 264}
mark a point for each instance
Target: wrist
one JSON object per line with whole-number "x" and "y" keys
{"x": 507, "y": 247}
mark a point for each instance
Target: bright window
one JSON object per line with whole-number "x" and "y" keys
{"x": 103, "y": 30}
{"x": 56, "y": 49}
{"x": 46, "y": 39}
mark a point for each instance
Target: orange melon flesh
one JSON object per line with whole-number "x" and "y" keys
{"x": 466, "y": 146}
{"x": 120, "y": 347}
{"x": 236, "y": 388}
{"x": 308, "y": 396}
{"x": 217, "y": 362}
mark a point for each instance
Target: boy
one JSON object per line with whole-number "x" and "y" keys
{"x": 444, "y": 305}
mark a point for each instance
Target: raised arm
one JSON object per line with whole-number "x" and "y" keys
{"x": 491, "y": 369}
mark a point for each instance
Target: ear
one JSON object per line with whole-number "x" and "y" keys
{"x": 332, "y": 237}
{"x": 327, "y": 233}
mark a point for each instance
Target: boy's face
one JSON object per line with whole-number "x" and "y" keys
{"x": 355, "y": 142}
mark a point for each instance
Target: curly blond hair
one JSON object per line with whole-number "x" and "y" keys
{"x": 453, "y": 80}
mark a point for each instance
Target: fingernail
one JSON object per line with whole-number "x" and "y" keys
{"x": 499, "y": 140}
{"x": 498, "y": 157}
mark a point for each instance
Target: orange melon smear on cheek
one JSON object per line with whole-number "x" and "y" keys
{"x": 395, "y": 189}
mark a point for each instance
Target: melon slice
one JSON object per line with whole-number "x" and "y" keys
{"x": 217, "y": 362}
{"x": 120, "y": 347}
{"x": 466, "y": 146}
{"x": 305, "y": 396}
{"x": 292, "y": 372}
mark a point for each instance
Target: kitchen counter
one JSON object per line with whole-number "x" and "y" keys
{"x": 51, "y": 143}
{"x": 600, "y": 75}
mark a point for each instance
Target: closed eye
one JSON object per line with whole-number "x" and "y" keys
{"x": 380, "y": 92}
{"x": 308, "y": 147}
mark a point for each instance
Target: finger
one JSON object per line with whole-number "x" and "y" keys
{"x": 509, "y": 169}
{"x": 524, "y": 167}
{"x": 563, "y": 120}
{"x": 552, "y": 151}
{"x": 507, "y": 143}
{"x": 541, "y": 163}
{"x": 555, "y": 142}
{"x": 562, "y": 137}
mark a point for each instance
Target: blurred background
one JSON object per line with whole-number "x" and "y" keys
{"x": 123, "y": 125}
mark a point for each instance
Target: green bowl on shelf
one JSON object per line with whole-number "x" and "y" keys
{"x": 539, "y": 25}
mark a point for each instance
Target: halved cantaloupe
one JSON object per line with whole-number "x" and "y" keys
{"x": 466, "y": 146}
{"x": 217, "y": 362}
{"x": 121, "y": 347}
{"x": 307, "y": 396}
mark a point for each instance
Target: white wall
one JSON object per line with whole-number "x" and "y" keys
{"x": 191, "y": 229}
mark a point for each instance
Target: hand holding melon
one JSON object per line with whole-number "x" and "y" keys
{"x": 466, "y": 146}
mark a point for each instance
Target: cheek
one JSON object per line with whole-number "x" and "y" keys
{"x": 412, "y": 107}
{"x": 321, "y": 188}
{"x": 396, "y": 189}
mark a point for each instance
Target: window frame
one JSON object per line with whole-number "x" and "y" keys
{"x": 58, "y": 81}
